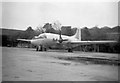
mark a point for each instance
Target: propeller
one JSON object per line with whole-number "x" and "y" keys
{"x": 60, "y": 38}
{"x": 57, "y": 26}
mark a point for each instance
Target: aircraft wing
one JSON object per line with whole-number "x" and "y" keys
{"x": 27, "y": 40}
{"x": 92, "y": 42}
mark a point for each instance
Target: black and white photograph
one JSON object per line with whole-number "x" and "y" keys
{"x": 59, "y": 40}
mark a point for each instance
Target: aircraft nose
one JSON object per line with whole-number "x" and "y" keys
{"x": 36, "y": 42}
{"x": 33, "y": 42}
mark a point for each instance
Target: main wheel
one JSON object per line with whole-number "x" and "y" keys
{"x": 40, "y": 48}
{"x": 70, "y": 50}
{"x": 37, "y": 48}
{"x": 45, "y": 49}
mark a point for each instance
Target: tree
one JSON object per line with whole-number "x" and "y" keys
{"x": 5, "y": 40}
{"x": 66, "y": 30}
{"x": 97, "y": 34}
{"x": 86, "y": 34}
{"x": 48, "y": 28}
{"x": 73, "y": 31}
{"x": 39, "y": 30}
{"x": 56, "y": 25}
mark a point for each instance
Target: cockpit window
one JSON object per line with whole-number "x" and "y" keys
{"x": 40, "y": 36}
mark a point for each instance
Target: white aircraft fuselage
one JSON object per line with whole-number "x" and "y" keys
{"x": 50, "y": 39}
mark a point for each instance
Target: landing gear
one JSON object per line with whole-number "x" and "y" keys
{"x": 37, "y": 49}
{"x": 70, "y": 50}
{"x": 45, "y": 49}
{"x": 41, "y": 48}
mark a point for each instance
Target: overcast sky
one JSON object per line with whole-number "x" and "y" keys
{"x": 20, "y": 15}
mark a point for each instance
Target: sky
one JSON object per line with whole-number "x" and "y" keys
{"x": 20, "y": 15}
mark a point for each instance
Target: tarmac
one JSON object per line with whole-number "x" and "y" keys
{"x": 26, "y": 64}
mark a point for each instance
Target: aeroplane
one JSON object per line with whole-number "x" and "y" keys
{"x": 46, "y": 40}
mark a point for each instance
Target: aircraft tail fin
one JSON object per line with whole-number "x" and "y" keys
{"x": 78, "y": 34}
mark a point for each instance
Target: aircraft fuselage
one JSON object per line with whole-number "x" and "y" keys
{"x": 50, "y": 40}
